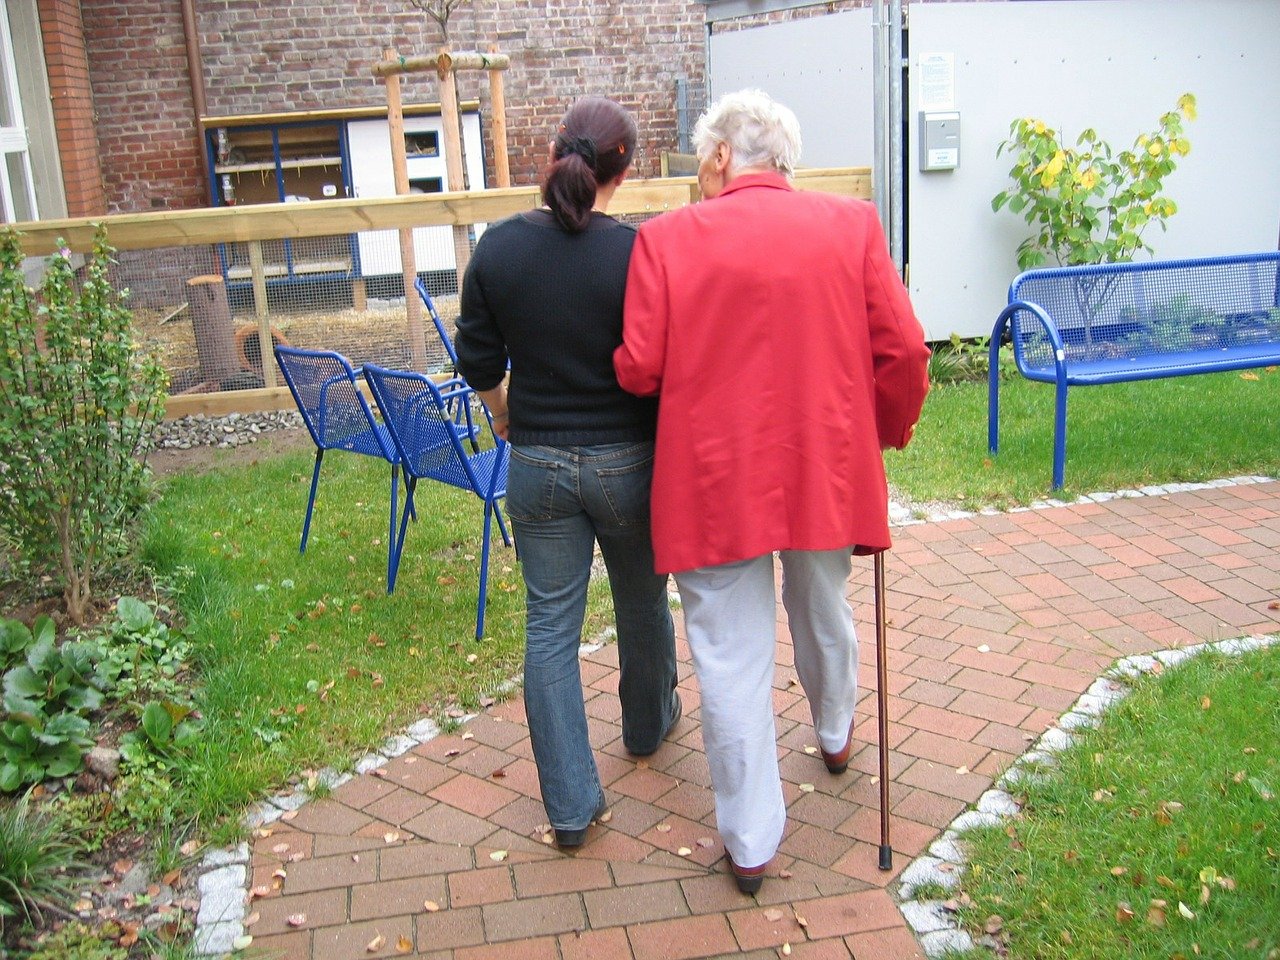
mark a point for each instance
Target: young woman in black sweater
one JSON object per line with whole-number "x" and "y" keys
{"x": 544, "y": 292}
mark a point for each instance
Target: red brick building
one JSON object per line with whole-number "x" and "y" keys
{"x": 122, "y": 108}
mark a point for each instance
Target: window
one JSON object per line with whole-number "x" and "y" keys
{"x": 17, "y": 190}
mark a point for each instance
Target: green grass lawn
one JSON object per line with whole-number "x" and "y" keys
{"x": 1119, "y": 436}
{"x": 1158, "y": 836}
{"x": 305, "y": 660}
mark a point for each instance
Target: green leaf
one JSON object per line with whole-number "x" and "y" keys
{"x": 23, "y": 682}
{"x": 157, "y": 724}
{"x": 134, "y": 615}
{"x": 10, "y": 777}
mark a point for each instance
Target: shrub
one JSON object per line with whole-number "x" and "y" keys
{"x": 1087, "y": 204}
{"x": 78, "y": 406}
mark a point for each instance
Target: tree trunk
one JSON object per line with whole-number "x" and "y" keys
{"x": 211, "y": 320}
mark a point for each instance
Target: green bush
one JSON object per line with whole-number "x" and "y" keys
{"x": 78, "y": 407}
{"x": 1087, "y": 203}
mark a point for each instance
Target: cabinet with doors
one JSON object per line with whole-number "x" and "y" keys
{"x": 322, "y": 155}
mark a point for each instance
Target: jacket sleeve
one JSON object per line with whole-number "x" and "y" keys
{"x": 900, "y": 358}
{"x": 641, "y": 358}
{"x": 481, "y": 348}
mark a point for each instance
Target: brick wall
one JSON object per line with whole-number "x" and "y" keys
{"x": 142, "y": 98}
{"x": 315, "y": 54}
{"x": 62, "y": 35}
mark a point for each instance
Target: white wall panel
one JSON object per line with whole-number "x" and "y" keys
{"x": 1115, "y": 65}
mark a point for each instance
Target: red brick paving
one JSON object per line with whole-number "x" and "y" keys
{"x": 997, "y": 624}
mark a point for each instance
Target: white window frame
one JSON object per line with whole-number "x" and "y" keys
{"x": 13, "y": 139}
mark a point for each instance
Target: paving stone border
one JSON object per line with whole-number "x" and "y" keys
{"x": 942, "y": 865}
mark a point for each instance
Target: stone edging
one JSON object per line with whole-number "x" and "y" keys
{"x": 933, "y": 924}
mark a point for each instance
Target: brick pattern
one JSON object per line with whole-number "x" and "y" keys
{"x": 66, "y": 60}
{"x": 432, "y": 849}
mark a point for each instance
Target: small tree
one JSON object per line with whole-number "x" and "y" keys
{"x": 1087, "y": 204}
{"x": 78, "y": 407}
{"x": 439, "y": 11}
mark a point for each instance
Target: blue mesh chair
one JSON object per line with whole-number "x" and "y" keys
{"x": 417, "y": 414}
{"x": 325, "y": 388}
{"x": 460, "y": 407}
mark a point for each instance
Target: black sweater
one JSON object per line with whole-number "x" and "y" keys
{"x": 551, "y": 302}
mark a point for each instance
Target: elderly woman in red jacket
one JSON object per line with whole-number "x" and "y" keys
{"x": 780, "y": 341}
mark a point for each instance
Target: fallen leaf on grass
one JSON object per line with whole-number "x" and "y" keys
{"x": 994, "y": 924}
{"x": 1119, "y": 871}
{"x": 1124, "y": 912}
{"x": 1186, "y": 911}
{"x": 1156, "y": 914}
{"x": 189, "y": 848}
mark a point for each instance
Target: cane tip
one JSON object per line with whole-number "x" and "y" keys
{"x": 886, "y": 857}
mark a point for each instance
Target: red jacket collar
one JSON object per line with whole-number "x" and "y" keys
{"x": 768, "y": 178}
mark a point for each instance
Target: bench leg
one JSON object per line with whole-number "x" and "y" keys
{"x": 993, "y": 409}
{"x": 1060, "y": 436}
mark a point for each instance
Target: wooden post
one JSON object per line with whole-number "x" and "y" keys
{"x": 408, "y": 262}
{"x": 211, "y": 321}
{"x": 453, "y": 152}
{"x": 266, "y": 346}
{"x": 497, "y": 96}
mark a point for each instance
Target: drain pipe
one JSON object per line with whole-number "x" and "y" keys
{"x": 195, "y": 68}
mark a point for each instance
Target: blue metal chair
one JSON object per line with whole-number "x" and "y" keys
{"x": 460, "y": 408}
{"x": 326, "y": 389}
{"x": 417, "y": 414}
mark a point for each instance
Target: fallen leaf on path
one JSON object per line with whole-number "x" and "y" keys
{"x": 376, "y": 944}
{"x": 296, "y": 919}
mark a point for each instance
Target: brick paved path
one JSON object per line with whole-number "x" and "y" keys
{"x": 998, "y": 623}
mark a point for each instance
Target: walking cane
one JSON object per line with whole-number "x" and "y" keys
{"x": 882, "y": 696}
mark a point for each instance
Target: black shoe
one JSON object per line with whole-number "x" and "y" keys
{"x": 572, "y": 839}
{"x": 677, "y": 711}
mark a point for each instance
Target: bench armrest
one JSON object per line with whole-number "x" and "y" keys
{"x": 1050, "y": 329}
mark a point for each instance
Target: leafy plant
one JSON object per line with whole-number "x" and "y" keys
{"x": 77, "y": 941}
{"x": 141, "y": 655}
{"x": 1087, "y": 203}
{"x": 78, "y": 406}
{"x": 44, "y": 732}
{"x": 36, "y": 855}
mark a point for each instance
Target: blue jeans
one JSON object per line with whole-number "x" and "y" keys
{"x": 561, "y": 500}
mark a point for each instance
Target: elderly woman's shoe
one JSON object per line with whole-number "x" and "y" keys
{"x": 749, "y": 879}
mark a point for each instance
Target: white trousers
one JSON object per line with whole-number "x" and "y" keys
{"x": 730, "y": 618}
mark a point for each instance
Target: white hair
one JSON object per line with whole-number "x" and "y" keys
{"x": 761, "y": 132}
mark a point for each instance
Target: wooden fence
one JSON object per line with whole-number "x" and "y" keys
{"x": 255, "y": 224}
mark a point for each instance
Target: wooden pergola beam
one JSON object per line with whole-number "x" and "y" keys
{"x": 442, "y": 63}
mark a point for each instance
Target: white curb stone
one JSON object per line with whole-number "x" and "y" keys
{"x": 998, "y": 803}
{"x": 927, "y": 916}
{"x": 398, "y": 746}
{"x": 925, "y": 871}
{"x": 222, "y": 894}
{"x": 941, "y": 942}
{"x": 370, "y": 761}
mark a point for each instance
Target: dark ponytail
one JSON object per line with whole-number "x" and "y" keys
{"x": 594, "y": 144}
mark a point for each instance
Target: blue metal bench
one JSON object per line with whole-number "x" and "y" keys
{"x": 1076, "y": 326}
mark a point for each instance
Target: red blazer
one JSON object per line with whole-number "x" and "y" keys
{"x": 778, "y": 335}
